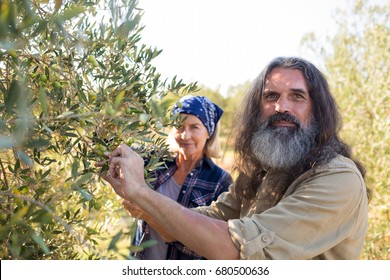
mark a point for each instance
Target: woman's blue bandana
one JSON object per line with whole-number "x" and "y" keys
{"x": 201, "y": 107}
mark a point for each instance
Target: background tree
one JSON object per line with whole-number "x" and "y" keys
{"x": 75, "y": 81}
{"x": 357, "y": 63}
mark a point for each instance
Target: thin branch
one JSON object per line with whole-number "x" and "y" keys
{"x": 58, "y": 219}
{"x": 5, "y": 175}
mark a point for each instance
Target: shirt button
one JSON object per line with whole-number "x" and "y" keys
{"x": 168, "y": 174}
{"x": 264, "y": 238}
{"x": 183, "y": 191}
{"x": 191, "y": 174}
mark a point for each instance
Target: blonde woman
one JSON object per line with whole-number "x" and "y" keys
{"x": 191, "y": 177}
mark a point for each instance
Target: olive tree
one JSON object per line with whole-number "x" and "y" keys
{"x": 357, "y": 63}
{"x": 75, "y": 81}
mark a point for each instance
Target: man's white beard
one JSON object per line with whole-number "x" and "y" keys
{"x": 280, "y": 148}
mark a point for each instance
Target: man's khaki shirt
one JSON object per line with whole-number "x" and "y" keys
{"x": 322, "y": 215}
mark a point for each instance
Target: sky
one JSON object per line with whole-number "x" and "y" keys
{"x": 222, "y": 43}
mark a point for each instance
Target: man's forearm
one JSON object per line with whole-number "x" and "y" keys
{"x": 158, "y": 227}
{"x": 206, "y": 236}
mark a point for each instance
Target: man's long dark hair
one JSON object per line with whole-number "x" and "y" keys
{"x": 325, "y": 113}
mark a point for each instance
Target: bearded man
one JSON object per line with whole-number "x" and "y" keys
{"x": 298, "y": 193}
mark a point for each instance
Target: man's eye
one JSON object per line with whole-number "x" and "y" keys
{"x": 270, "y": 96}
{"x": 298, "y": 96}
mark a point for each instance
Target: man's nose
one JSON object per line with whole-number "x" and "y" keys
{"x": 282, "y": 105}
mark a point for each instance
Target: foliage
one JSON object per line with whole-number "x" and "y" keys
{"x": 75, "y": 81}
{"x": 357, "y": 64}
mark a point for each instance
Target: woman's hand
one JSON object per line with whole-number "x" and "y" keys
{"x": 136, "y": 212}
{"x": 125, "y": 172}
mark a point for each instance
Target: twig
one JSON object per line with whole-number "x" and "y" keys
{"x": 58, "y": 219}
{"x": 5, "y": 175}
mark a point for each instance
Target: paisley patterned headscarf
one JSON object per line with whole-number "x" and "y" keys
{"x": 201, "y": 107}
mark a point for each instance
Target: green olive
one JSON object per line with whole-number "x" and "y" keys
{"x": 143, "y": 118}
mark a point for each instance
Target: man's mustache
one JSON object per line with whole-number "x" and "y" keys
{"x": 282, "y": 117}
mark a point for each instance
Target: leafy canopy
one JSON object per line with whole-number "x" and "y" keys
{"x": 75, "y": 81}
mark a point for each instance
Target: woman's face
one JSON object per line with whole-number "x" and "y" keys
{"x": 191, "y": 136}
